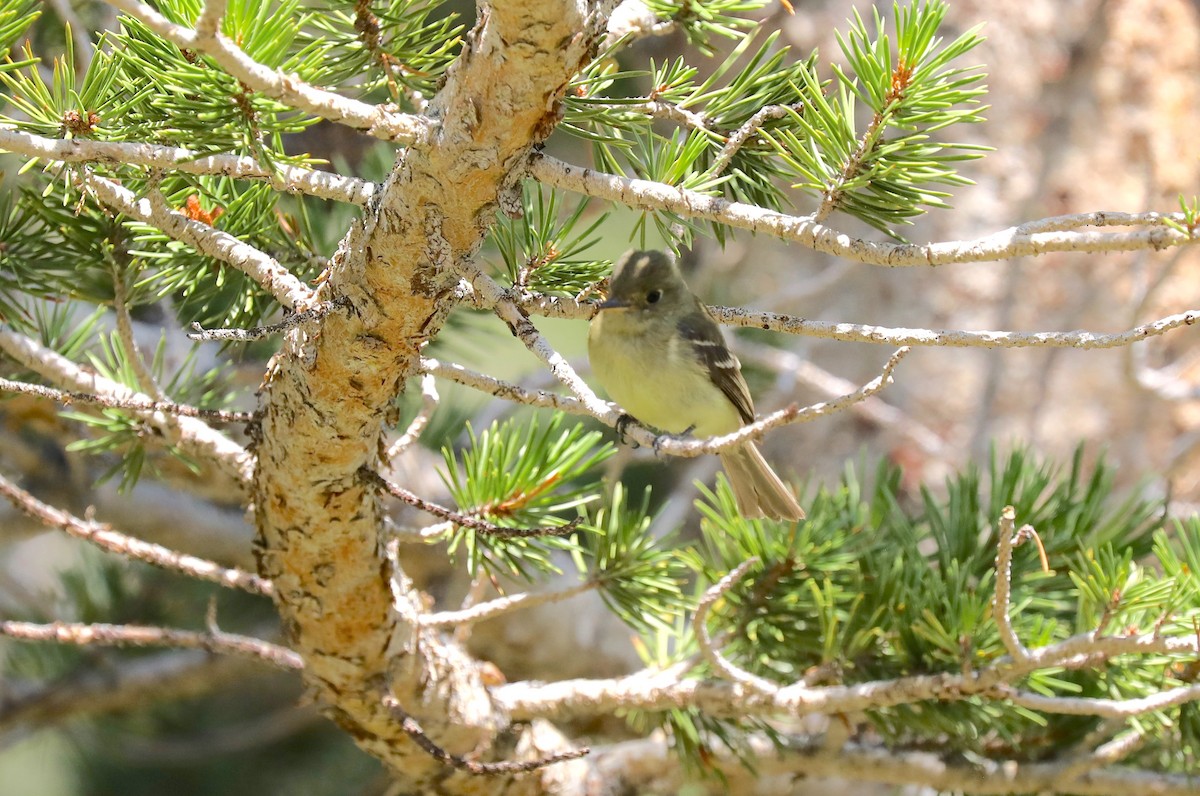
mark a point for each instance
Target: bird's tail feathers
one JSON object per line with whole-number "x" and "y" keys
{"x": 758, "y": 490}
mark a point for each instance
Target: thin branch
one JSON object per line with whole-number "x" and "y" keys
{"x": 125, "y": 333}
{"x": 285, "y": 87}
{"x": 636, "y": 432}
{"x": 429, "y": 404}
{"x": 293, "y": 179}
{"x": 502, "y": 389}
{"x": 422, "y": 535}
{"x": 191, "y": 434}
{"x": 647, "y": 691}
{"x": 115, "y": 542}
{"x": 1008, "y": 636}
{"x": 67, "y": 398}
{"x": 632, "y": 19}
{"x": 785, "y": 416}
{"x": 1003, "y": 245}
{"x": 1095, "y": 706}
{"x": 556, "y": 307}
{"x": 489, "y": 294}
{"x": 719, "y": 662}
{"x": 740, "y": 136}
{"x": 492, "y": 295}
{"x": 502, "y": 606}
{"x": 950, "y": 338}
{"x": 265, "y": 270}
{"x": 414, "y": 731}
{"x": 465, "y": 520}
{"x": 103, "y": 635}
{"x": 875, "y": 409}
{"x": 671, "y": 112}
{"x": 293, "y": 320}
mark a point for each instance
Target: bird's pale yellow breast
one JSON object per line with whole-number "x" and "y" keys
{"x": 653, "y": 375}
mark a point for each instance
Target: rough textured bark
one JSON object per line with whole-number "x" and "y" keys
{"x": 328, "y": 390}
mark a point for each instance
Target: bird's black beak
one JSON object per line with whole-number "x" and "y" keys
{"x": 613, "y": 304}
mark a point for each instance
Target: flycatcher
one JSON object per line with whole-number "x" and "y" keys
{"x": 658, "y": 352}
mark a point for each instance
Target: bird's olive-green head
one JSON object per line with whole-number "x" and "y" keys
{"x": 649, "y": 282}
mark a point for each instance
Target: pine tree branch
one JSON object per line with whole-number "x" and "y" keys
{"x": 458, "y": 374}
{"x": 193, "y": 436}
{"x": 293, "y": 179}
{"x": 951, "y": 338}
{"x": 650, "y": 691}
{"x": 1014, "y": 242}
{"x": 878, "y": 411}
{"x": 502, "y": 606}
{"x": 429, "y": 404}
{"x": 740, "y": 136}
{"x": 667, "y": 444}
{"x": 113, "y": 541}
{"x": 1096, "y": 706}
{"x": 498, "y": 299}
{"x": 266, "y": 271}
{"x": 486, "y": 292}
{"x": 786, "y": 416}
{"x": 413, "y": 728}
{"x": 104, "y": 635}
{"x": 719, "y": 662}
{"x": 1000, "y": 607}
{"x": 649, "y": 765}
{"x": 325, "y": 399}
{"x": 556, "y": 307}
{"x": 133, "y": 351}
{"x": 634, "y": 20}
{"x": 287, "y": 88}
{"x": 67, "y": 398}
{"x": 472, "y": 521}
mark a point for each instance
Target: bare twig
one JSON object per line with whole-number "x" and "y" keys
{"x": 719, "y": 662}
{"x": 1008, "y": 519}
{"x": 116, "y": 542}
{"x": 502, "y": 605}
{"x": 875, "y": 409}
{"x": 414, "y": 731}
{"x": 950, "y": 338}
{"x": 740, "y": 136}
{"x": 287, "y": 88}
{"x": 501, "y": 389}
{"x": 785, "y": 416}
{"x": 555, "y": 307}
{"x": 142, "y": 636}
{"x": 643, "y": 691}
{"x": 1003, "y": 245}
{"x": 644, "y": 764}
{"x": 494, "y": 296}
{"x": 125, "y": 333}
{"x": 429, "y": 404}
{"x": 465, "y": 520}
{"x": 259, "y": 332}
{"x": 67, "y": 398}
{"x": 671, "y": 112}
{"x": 1096, "y": 706}
{"x": 293, "y": 179}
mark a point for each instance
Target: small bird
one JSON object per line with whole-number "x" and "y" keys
{"x": 659, "y": 353}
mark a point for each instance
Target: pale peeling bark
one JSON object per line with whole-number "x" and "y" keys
{"x": 328, "y": 389}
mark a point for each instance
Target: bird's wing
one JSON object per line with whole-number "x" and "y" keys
{"x": 700, "y": 329}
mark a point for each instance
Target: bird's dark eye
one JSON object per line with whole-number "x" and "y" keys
{"x": 653, "y": 296}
